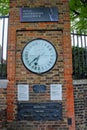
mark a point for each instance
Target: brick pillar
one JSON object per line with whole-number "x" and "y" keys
{"x": 58, "y": 33}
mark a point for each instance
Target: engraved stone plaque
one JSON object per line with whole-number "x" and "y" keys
{"x": 23, "y": 92}
{"x": 39, "y": 14}
{"x": 40, "y": 111}
{"x": 56, "y": 91}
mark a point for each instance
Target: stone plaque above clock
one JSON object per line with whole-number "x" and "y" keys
{"x": 39, "y": 14}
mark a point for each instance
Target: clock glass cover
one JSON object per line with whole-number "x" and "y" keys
{"x": 39, "y": 56}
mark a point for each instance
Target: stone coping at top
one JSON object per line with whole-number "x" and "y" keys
{"x": 3, "y": 83}
{"x": 81, "y": 81}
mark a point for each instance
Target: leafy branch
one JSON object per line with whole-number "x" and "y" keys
{"x": 4, "y": 7}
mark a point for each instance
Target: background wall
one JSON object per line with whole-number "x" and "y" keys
{"x": 2, "y": 107}
{"x": 80, "y": 93}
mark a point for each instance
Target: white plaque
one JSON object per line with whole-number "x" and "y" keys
{"x": 56, "y": 91}
{"x": 23, "y": 92}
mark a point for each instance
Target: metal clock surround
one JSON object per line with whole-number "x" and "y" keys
{"x": 39, "y": 56}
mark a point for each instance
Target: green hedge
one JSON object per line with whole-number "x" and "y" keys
{"x": 3, "y": 70}
{"x": 79, "y": 59}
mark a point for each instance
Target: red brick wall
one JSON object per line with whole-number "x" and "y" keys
{"x": 2, "y": 107}
{"x": 59, "y": 34}
{"x": 80, "y": 94}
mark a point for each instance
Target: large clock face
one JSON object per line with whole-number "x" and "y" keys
{"x": 39, "y": 56}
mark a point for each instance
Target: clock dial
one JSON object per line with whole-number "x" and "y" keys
{"x": 39, "y": 56}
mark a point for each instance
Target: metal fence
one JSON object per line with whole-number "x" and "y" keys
{"x": 79, "y": 55}
{"x": 3, "y": 46}
{"x": 79, "y": 51}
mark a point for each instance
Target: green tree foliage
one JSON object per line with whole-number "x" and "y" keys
{"x": 79, "y": 57}
{"x": 78, "y": 14}
{"x": 4, "y": 7}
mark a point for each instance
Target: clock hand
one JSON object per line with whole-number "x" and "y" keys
{"x": 35, "y": 59}
{"x": 38, "y": 58}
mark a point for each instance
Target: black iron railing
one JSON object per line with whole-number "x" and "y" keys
{"x": 79, "y": 55}
{"x": 79, "y": 51}
{"x": 3, "y": 46}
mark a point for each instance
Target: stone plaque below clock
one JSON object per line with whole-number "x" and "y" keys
{"x": 40, "y": 111}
